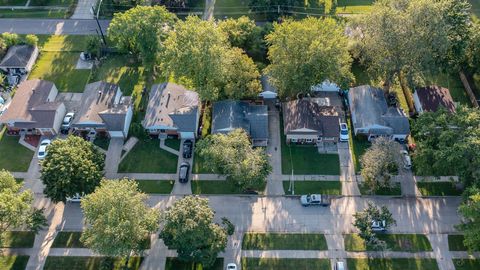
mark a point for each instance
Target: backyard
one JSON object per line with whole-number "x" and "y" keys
{"x": 14, "y": 157}
{"x": 154, "y": 159}
{"x": 314, "y": 187}
{"x": 283, "y": 241}
{"x": 395, "y": 242}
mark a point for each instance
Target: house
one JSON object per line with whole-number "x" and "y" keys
{"x": 19, "y": 59}
{"x": 33, "y": 109}
{"x": 172, "y": 111}
{"x": 228, "y": 115}
{"x": 104, "y": 109}
{"x": 326, "y": 86}
{"x": 431, "y": 98}
{"x": 372, "y": 117}
{"x": 269, "y": 92}
{"x": 310, "y": 121}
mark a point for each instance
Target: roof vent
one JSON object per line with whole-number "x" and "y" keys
{"x": 168, "y": 100}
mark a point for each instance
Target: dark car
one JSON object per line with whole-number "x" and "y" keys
{"x": 187, "y": 149}
{"x": 183, "y": 172}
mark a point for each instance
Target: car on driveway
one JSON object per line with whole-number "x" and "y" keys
{"x": 75, "y": 198}
{"x": 315, "y": 199}
{"x": 231, "y": 266}
{"x": 183, "y": 172}
{"x": 187, "y": 149}
{"x": 344, "y": 132}
{"x": 67, "y": 121}
{"x": 339, "y": 266}
{"x": 407, "y": 161}
{"x": 42, "y": 150}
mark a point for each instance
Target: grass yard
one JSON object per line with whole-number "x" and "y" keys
{"x": 283, "y": 241}
{"x": 66, "y": 3}
{"x": 438, "y": 189}
{"x": 18, "y": 239}
{"x": 218, "y": 187}
{"x": 14, "y": 157}
{"x": 62, "y": 43}
{"x": 317, "y": 187}
{"x": 176, "y": 264}
{"x": 285, "y": 264}
{"x": 198, "y": 165}
{"x": 13, "y": 2}
{"x": 395, "y": 242}
{"x": 231, "y": 9}
{"x": 392, "y": 264}
{"x": 173, "y": 143}
{"x": 307, "y": 160}
{"x": 354, "y": 6}
{"x": 147, "y": 157}
{"x": 155, "y": 186}
{"x": 13, "y": 262}
{"x": 102, "y": 142}
{"x": 358, "y": 145}
{"x": 34, "y": 13}
{"x": 455, "y": 242}
{"x": 395, "y": 190}
{"x": 466, "y": 264}
{"x": 90, "y": 263}
{"x": 68, "y": 240}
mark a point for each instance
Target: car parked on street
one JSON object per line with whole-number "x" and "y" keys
{"x": 231, "y": 266}
{"x": 315, "y": 199}
{"x": 379, "y": 226}
{"x": 42, "y": 150}
{"x": 183, "y": 172}
{"x": 187, "y": 149}
{"x": 344, "y": 132}
{"x": 339, "y": 266}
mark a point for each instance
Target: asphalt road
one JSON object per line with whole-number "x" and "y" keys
{"x": 52, "y": 26}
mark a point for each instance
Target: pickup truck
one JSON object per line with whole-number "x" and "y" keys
{"x": 315, "y": 199}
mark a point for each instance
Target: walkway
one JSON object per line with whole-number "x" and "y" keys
{"x": 347, "y": 171}
{"x": 112, "y": 159}
{"x": 274, "y": 151}
{"x": 83, "y": 10}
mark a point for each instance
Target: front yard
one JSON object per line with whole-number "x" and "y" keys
{"x": 314, "y": 187}
{"x": 392, "y": 264}
{"x": 284, "y": 264}
{"x": 68, "y": 240}
{"x": 218, "y": 187}
{"x": 13, "y": 262}
{"x": 283, "y": 241}
{"x": 18, "y": 239}
{"x": 147, "y": 157}
{"x": 394, "y": 190}
{"x": 455, "y": 242}
{"x": 90, "y": 263}
{"x": 155, "y": 186}
{"x": 14, "y": 157}
{"x": 306, "y": 160}
{"x": 438, "y": 189}
{"x": 395, "y": 242}
{"x": 176, "y": 264}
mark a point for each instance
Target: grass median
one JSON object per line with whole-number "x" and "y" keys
{"x": 314, "y": 187}
{"x": 284, "y": 241}
{"x": 285, "y": 264}
{"x": 395, "y": 242}
{"x": 392, "y": 264}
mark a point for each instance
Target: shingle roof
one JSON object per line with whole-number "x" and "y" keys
{"x": 17, "y": 56}
{"x": 434, "y": 97}
{"x": 172, "y": 105}
{"x": 229, "y": 115}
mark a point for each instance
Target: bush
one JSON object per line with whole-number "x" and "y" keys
{"x": 206, "y": 120}
{"x": 10, "y": 39}
{"x": 93, "y": 46}
{"x": 31, "y": 40}
{"x": 228, "y": 225}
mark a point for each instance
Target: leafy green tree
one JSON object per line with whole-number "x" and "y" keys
{"x": 233, "y": 155}
{"x": 239, "y": 31}
{"x": 31, "y": 40}
{"x": 16, "y": 209}
{"x": 188, "y": 227}
{"x": 307, "y": 52}
{"x": 71, "y": 166}
{"x": 473, "y": 49}
{"x": 379, "y": 162}
{"x": 118, "y": 219}
{"x": 10, "y": 39}
{"x": 364, "y": 220}
{"x": 242, "y": 76}
{"x": 142, "y": 30}
{"x": 447, "y": 144}
{"x": 470, "y": 226}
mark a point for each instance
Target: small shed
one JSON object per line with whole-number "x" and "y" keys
{"x": 269, "y": 92}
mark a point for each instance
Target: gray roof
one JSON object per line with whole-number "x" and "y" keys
{"x": 229, "y": 115}
{"x": 266, "y": 86}
{"x": 17, "y": 56}
{"x": 172, "y": 105}
{"x": 368, "y": 107}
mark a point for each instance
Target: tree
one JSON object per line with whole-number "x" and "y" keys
{"x": 379, "y": 162}
{"x": 470, "y": 210}
{"x": 232, "y": 155}
{"x": 364, "y": 220}
{"x": 15, "y": 207}
{"x": 188, "y": 227}
{"x": 242, "y": 76}
{"x": 10, "y": 39}
{"x": 307, "y": 52}
{"x": 447, "y": 144}
{"x": 239, "y": 31}
{"x": 31, "y": 40}
{"x": 118, "y": 219}
{"x": 473, "y": 49}
{"x": 71, "y": 166}
{"x": 141, "y": 30}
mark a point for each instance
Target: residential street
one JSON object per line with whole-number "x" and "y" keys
{"x": 52, "y": 26}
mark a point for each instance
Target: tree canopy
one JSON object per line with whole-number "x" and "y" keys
{"x": 470, "y": 210}
{"x": 189, "y": 228}
{"x": 118, "y": 219}
{"x": 232, "y": 155}
{"x": 364, "y": 220}
{"x": 307, "y": 52}
{"x": 71, "y": 166}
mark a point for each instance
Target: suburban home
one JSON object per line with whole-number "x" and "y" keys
{"x": 269, "y": 92}
{"x": 172, "y": 111}
{"x": 228, "y": 115}
{"x": 33, "y": 109}
{"x": 104, "y": 109}
{"x": 431, "y": 98}
{"x": 310, "y": 121}
{"x": 372, "y": 117}
{"x": 19, "y": 59}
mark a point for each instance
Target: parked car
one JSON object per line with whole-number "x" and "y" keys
{"x": 183, "y": 174}
{"x": 379, "y": 226}
{"x": 339, "y": 266}
{"x": 187, "y": 149}
{"x": 231, "y": 266}
{"x": 67, "y": 121}
{"x": 315, "y": 199}
{"x": 344, "y": 132}
{"x": 75, "y": 198}
{"x": 407, "y": 161}
{"x": 42, "y": 150}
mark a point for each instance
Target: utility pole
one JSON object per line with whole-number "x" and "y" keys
{"x": 95, "y": 16}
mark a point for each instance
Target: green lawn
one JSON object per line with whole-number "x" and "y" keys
{"x": 14, "y": 157}
{"x": 34, "y": 13}
{"x": 68, "y": 240}
{"x": 283, "y": 241}
{"x": 198, "y": 165}
{"x": 63, "y": 43}
{"x": 285, "y": 264}
{"x": 314, "y": 187}
{"x": 392, "y": 264}
{"x": 173, "y": 143}
{"x": 395, "y": 190}
{"x": 395, "y": 242}
{"x": 438, "y": 189}
{"x": 218, "y": 187}
{"x": 466, "y": 264}
{"x": 307, "y": 160}
{"x": 102, "y": 142}
{"x": 232, "y": 9}
{"x": 147, "y": 157}
{"x": 13, "y": 262}
{"x": 13, "y": 2}
{"x": 52, "y": 2}
{"x": 18, "y": 239}
{"x": 155, "y": 186}
{"x": 354, "y": 6}
{"x": 176, "y": 264}
{"x": 358, "y": 145}
{"x": 90, "y": 263}
{"x": 455, "y": 242}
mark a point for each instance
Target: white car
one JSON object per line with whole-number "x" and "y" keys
{"x": 339, "y": 266}
{"x": 344, "y": 132}
{"x": 231, "y": 266}
{"x": 379, "y": 226}
{"x": 42, "y": 150}
{"x": 75, "y": 198}
{"x": 67, "y": 120}
{"x": 407, "y": 161}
